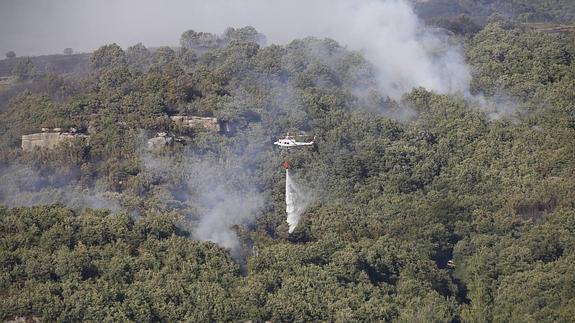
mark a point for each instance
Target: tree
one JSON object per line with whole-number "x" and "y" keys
{"x": 164, "y": 55}
{"x": 24, "y": 69}
{"x": 245, "y": 34}
{"x": 10, "y": 54}
{"x": 68, "y": 51}
{"x": 198, "y": 40}
{"x": 188, "y": 57}
{"x": 108, "y": 56}
{"x": 138, "y": 56}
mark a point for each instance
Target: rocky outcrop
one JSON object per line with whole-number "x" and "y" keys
{"x": 7, "y": 80}
{"x": 212, "y": 124}
{"x": 50, "y": 138}
{"x": 160, "y": 141}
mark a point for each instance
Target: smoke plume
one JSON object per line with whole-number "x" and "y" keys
{"x": 217, "y": 193}
{"x": 225, "y": 209}
{"x": 26, "y": 186}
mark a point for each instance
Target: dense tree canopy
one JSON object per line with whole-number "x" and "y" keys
{"x": 434, "y": 207}
{"x": 562, "y": 11}
{"x": 24, "y": 68}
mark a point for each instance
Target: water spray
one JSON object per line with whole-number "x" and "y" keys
{"x": 294, "y": 202}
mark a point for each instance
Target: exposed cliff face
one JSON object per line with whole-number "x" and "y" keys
{"x": 160, "y": 141}
{"x": 49, "y": 140}
{"x": 212, "y": 124}
{"x": 7, "y": 80}
{"x": 207, "y": 123}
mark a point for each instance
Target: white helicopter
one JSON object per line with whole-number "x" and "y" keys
{"x": 290, "y": 141}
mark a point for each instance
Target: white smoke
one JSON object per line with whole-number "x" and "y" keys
{"x": 390, "y": 35}
{"x": 26, "y": 186}
{"x": 217, "y": 193}
{"x": 296, "y": 202}
{"x": 225, "y": 209}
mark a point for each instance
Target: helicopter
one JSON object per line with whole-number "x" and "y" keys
{"x": 290, "y": 141}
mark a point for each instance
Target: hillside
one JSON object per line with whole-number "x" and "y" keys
{"x": 56, "y": 64}
{"x": 559, "y": 11}
{"x": 453, "y": 207}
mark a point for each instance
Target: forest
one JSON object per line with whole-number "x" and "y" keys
{"x": 431, "y": 207}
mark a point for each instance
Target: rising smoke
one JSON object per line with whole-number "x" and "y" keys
{"x": 223, "y": 210}
{"x": 217, "y": 192}
{"x": 26, "y": 186}
{"x": 225, "y": 197}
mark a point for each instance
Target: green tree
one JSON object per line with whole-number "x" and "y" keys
{"x": 164, "y": 55}
{"x": 10, "y": 54}
{"x": 138, "y": 56}
{"x": 191, "y": 39}
{"x": 108, "y": 56}
{"x": 24, "y": 68}
{"x": 244, "y": 34}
